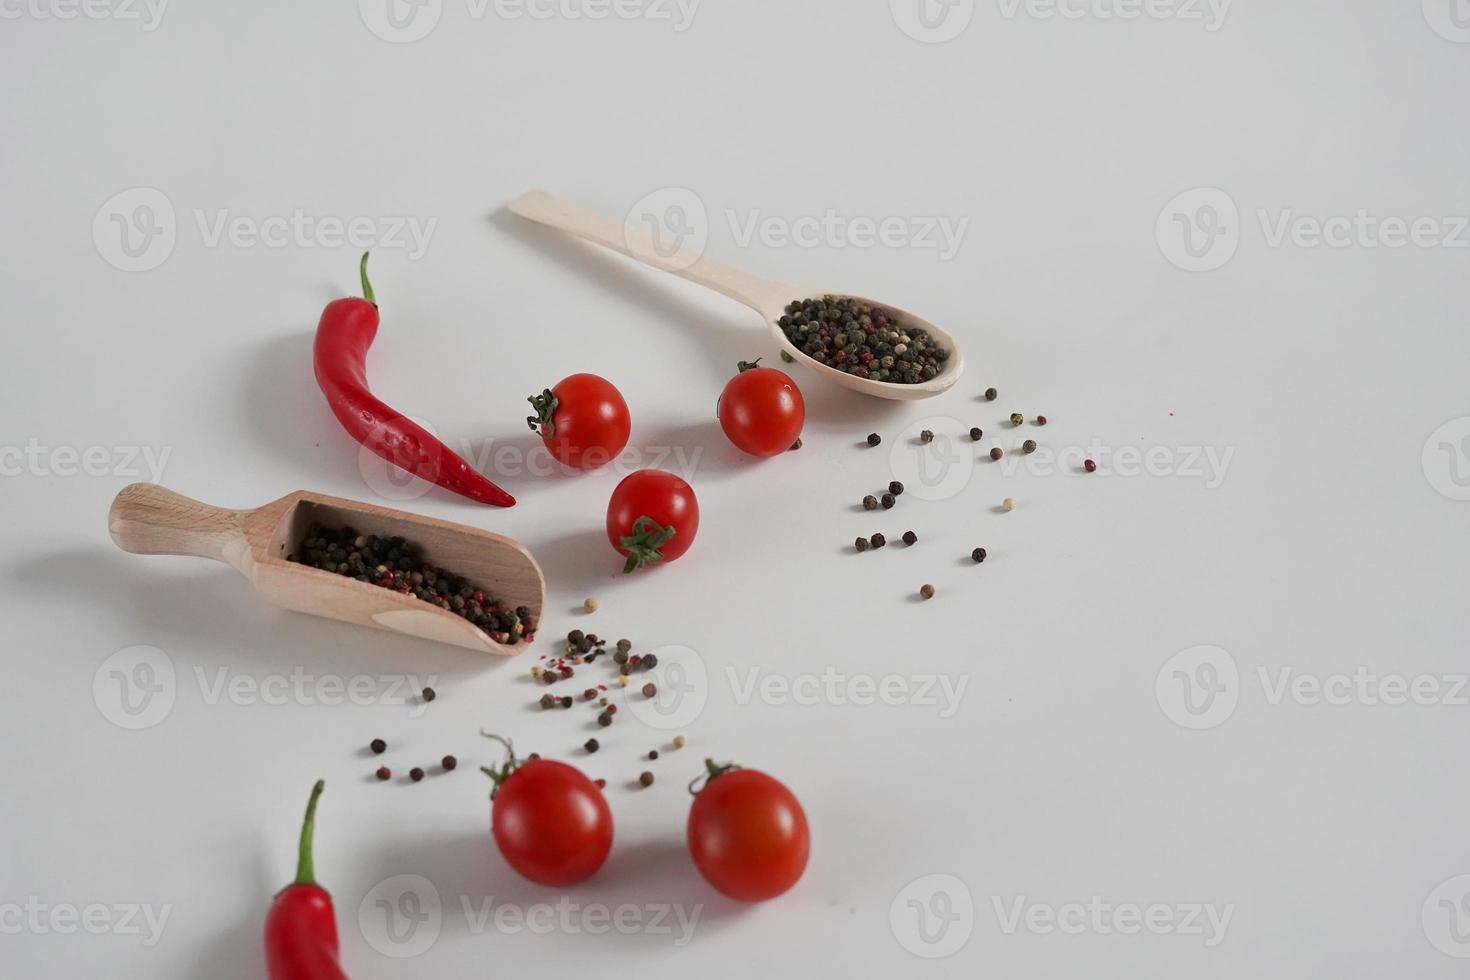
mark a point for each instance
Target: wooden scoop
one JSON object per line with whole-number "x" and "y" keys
{"x": 768, "y": 297}
{"x": 147, "y": 519}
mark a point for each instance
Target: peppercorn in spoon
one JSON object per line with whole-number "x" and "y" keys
{"x": 350, "y": 561}
{"x": 850, "y": 340}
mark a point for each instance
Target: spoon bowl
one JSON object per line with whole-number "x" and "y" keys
{"x": 768, "y": 297}
{"x": 146, "y": 519}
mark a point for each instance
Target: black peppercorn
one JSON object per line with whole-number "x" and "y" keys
{"x": 878, "y": 541}
{"x": 909, "y": 537}
{"x": 870, "y": 502}
{"x": 895, "y": 488}
{"x": 429, "y": 694}
{"x": 415, "y": 774}
{"x": 978, "y": 555}
{"x": 566, "y": 702}
{"x": 652, "y": 754}
{"x": 996, "y": 453}
{"x": 976, "y": 433}
{"x": 378, "y": 746}
{"x": 650, "y": 661}
{"x": 926, "y": 437}
{"x": 591, "y": 745}
{"x": 888, "y": 501}
{"x": 874, "y": 439}
{"x": 991, "y": 394}
{"x": 449, "y": 763}
{"x": 604, "y": 719}
{"x": 861, "y": 544}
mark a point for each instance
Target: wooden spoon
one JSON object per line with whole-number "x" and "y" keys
{"x": 768, "y": 297}
{"x": 147, "y": 519}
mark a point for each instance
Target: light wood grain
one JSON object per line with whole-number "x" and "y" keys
{"x": 147, "y": 519}
{"x": 768, "y": 297}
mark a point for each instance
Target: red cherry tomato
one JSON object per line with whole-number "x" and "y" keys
{"x": 762, "y": 411}
{"x": 551, "y": 823}
{"x": 652, "y": 517}
{"x": 583, "y": 421}
{"x": 748, "y": 835}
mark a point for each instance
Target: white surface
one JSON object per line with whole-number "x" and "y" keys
{"x": 1333, "y": 539}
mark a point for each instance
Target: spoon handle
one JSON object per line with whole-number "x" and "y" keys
{"x": 766, "y": 296}
{"x": 147, "y": 519}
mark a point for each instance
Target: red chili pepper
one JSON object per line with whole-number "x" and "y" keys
{"x": 300, "y": 930}
{"x": 343, "y": 337}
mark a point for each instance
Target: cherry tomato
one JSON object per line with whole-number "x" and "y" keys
{"x": 551, "y": 822}
{"x": 652, "y": 517}
{"x": 583, "y": 421}
{"x": 748, "y": 834}
{"x": 761, "y": 410}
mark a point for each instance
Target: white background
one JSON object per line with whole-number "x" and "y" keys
{"x": 1333, "y": 539}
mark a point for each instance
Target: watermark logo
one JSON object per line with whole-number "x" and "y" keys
{"x": 1098, "y": 917}
{"x": 135, "y": 688}
{"x": 1446, "y": 459}
{"x": 36, "y": 917}
{"x": 40, "y": 460}
{"x": 400, "y": 21}
{"x": 1446, "y": 917}
{"x": 148, "y": 13}
{"x": 135, "y": 230}
{"x": 1198, "y": 688}
{"x": 942, "y": 234}
{"x": 1199, "y": 230}
{"x": 1210, "y": 13}
{"x": 941, "y": 692}
{"x": 401, "y": 916}
{"x": 413, "y": 467}
{"x": 934, "y": 470}
{"x": 1450, "y": 19}
{"x": 933, "y": 916}
{"x": 683, "y": 690}
{"x": 932, "y": 21}
{"x": 668, "y": 228}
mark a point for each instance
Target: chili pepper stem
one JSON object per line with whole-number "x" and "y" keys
{"x": 305, "y": 868}
{"x": 367, "y": 287}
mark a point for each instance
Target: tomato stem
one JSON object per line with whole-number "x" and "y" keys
{"x": 305, "y": 867}
{"x": 545, "y": 406}
{"x": 712, "y": 770}
{"x": 644, "y": 543}
{"x": 500, "y": 775}
{"x": 749, "y": 365}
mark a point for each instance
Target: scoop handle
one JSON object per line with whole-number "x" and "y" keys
{"x": 147, "y": 519}
{"x": 766, "y": 296}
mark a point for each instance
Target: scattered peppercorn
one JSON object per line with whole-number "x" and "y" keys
{"x": 909, "y": 537}
{"x": 796, "y": 445}
{"x": 649, "y": 689}
{"x": 976, "y": 433}
{"x": 991, "y": 394}
{"x": 416, "y": 774}
{"x": 888, "y": 500}
{"x": 591, "y": 745}
{"x": 652, "y": 754}
{"x": 927, "y": 592}
{"x": 997, "y": 453}
{"x": 590, "y": 694}
{"x": 589, "y": 604}
{"x": 895, "y": 488}
{"x": 874, "y": 439}
{"x": 870, "y": 502}
{"x": 604, "y": 719}
{"x": 1008, "y": 505}
{"x": 926, "y": 437}
{"x": 384, "y": 772}
{"x": 575, "y": 637}
{"x": 646, "y": 779}
{"x": 878, "y": 540}
{"x": 1089, "y": 465}
{"x": 679, "y": 741}
{"x": 650, "y": 661}
{"x": 625, "y": 645}
{"x": 548, "y": 701}
{"x": 1029, "y": 446}
{"x": 861, "y": 544}
{"x": 378, "y": 746}
{"x": 1017, "y": 418}
{"x": 620, "y": 657}
{"x": 449, "y": 763}
{"x": 1041, "y": 420}
{"x": 566, "y": 702}
{"x": 429, "y": 694}
{"x": 978, "y": 554}
{"x": 863, "y": 340}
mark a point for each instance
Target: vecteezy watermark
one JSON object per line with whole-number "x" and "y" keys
{"x": 403, "y": 916}
{"x": 36, "y": 917}
{"x": 1446, "y": 459}
{"x": 1446, "y": 917}
{"x": 683, "y": 690}
{"x": 137, "y": 229}
{"x": 1199, "y": 688}
{"x": 147, "y": 13}
{"x": 941, "y": 234}
{"x": 40, "y": 460}
{"x": 1450, "y": 19}
{"x": 1201, "y": 230}
{"x": 941, "y": 692}
{"x": 932, "y": 916}
{"x": 932, "y": 21}
{"x": 1208, "y": 13}
{"x": 137, "y": 688}
{"x": 667, "y": 228}
{"x": 406, "y": 21}
{"x": 1097, "y": 917}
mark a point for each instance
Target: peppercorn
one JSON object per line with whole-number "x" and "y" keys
{"x": 878, "y": 540}
{"x": 874, "y": 439}
{"x": 895, "y": 488}
{"x": 378, "y": 746}
{"x": 547, "y": 701}
{"x": 976, "y": 433}
{"x": 620, "y": 657}
{"x": 591, "y": 745}
{"x": 650, "y": 661}
{"x": 416, "y": 774}
{"x": 1089, "y": 465}
{"x": 909, "y": 537}
{"x": 978, "y": 554}
{"x": 589, "y": 604}
{"x": 888, "y": 501}
{"x": 927, "y": 592}
{"x": 646, "y": 779}
{"x": 1029, "y": 446}
{"x": 575, "y": 637}
{"x": 623, "y": 681}
{"x": 429, "y": 694}
{"x": 926, "y": 437}
{"x": 679, "y": 741}
{"x": 991, "y": 394}
{"x": 996, "y": 453}
{"x": 612, "y": 709}
{"x": 861, "y": 544}
{"x": 566, "y": 702}
{"x": 1008, "y": 505}
{"x": 590, "y": 694}
{"x": 449, "y": 763}
{"x": 870, "y": 502}
{"x": 1041, "y": 420}
{"x": 796, "y": 445}
{"x": 649, "y": 690}
{"x": 1017, "y": 418}
{"x": 604, "y": 719}
{"x": 652, "y": 754}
